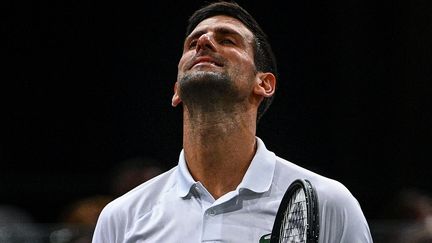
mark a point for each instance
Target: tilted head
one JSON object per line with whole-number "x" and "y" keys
{"x": 263, "y": 57}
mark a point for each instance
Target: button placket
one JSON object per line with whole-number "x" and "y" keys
{"x": 212, "y": 225}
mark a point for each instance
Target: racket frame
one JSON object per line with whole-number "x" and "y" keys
{"x": 312, "y": 227}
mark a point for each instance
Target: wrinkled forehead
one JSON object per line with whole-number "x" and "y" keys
{"x": 223, "y": 23}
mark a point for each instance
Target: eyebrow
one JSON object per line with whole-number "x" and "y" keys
{"x": 220, "y": 30}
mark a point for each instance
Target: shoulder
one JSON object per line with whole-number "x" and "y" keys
{"x": 136, "y": 203}
{"x": 328, "y": 189}
{"x": 288, "y": 171}
{"x": 341, "y": 216}
{"x": 118, "y": 216}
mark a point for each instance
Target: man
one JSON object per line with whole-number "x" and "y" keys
{"x": 227, "y": 186}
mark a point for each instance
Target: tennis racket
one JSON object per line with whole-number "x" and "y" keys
{"x": 297, "y": 217}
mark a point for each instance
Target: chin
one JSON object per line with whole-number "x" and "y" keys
{"x": 207, "y": 88}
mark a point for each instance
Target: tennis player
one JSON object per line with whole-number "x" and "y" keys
{"x": 227, "y": 185}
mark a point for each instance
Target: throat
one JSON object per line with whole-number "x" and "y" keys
{"x": 219, "y": 160}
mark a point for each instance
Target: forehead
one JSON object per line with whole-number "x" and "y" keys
{"x": 224, "y": 22}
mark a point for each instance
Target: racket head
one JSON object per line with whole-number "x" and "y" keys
{"x": 297, "y": 218}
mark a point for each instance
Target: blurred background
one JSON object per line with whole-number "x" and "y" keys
{"x": 86, "y": 90}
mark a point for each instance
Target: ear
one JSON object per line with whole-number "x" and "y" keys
{"x": 176, "y": 98}
{"x": 266, "y": 84}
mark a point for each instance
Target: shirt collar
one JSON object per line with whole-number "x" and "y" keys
{"x": 184, "y": 178}
{"x": 258, "y": 177}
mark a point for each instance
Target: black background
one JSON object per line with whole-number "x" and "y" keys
{"x": 88, "y": 84}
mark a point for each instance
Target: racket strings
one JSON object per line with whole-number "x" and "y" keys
{"x": 294, "y": 228}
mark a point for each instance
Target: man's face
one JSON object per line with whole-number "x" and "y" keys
{"x": 219, "y": 48}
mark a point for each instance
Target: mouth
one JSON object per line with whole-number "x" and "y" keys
{"x": 205, "y": 61}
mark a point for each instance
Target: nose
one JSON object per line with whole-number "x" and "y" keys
{"x": 205, "y": 41}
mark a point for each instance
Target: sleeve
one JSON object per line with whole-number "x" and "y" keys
{"x": 342, "y": 219}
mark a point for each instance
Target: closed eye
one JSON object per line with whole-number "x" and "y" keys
{"x": 226, "y": 42}
{"x": 192, "y": 44}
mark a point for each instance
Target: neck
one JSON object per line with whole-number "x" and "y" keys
{"x": 219, "y": 148}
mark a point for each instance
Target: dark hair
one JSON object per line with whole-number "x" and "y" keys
{"x": 264, "y": 58}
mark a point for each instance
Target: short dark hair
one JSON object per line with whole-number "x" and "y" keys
{"x": 264, "y": 57}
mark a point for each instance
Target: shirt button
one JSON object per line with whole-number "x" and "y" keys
{"x": 211, "y": 212}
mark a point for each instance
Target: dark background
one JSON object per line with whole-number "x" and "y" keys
{"x": 88, "y": 84}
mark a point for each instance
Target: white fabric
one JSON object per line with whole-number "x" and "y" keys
{"x": 172, "y": 207}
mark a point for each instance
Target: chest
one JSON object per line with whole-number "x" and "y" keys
{"x": 241, "y": 219}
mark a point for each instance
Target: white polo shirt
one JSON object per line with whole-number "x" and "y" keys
{"x": 173, "y": 208}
